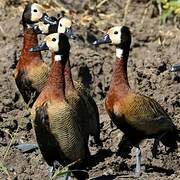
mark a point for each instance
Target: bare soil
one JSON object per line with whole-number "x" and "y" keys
{"x": 154, "y": 49}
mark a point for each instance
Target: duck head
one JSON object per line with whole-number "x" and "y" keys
{"x": 119, "y": 36}
{"x": 34, "y": 13}
{"x": 62, "y": 25}
{"x": 57, "y": 43}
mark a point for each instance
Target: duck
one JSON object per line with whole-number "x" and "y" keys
{"x": 75, "y": 91}
{"x": 31, "y": 71}
{"x": 137, "y": 116}
{"x": 55, "y": 120}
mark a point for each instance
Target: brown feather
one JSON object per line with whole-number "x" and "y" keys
{"x": 78, "y": 96}
{"x": 57, "y": 128}
{"x": 138, "y": 116}
{"x": 31, "y": 72}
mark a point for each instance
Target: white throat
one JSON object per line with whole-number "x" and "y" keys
{"x": 58, "y": 57}
{"x": 119, "y": 52}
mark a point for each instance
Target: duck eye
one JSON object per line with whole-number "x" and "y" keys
{"x": 60, "y": 25}
{"x": 54, "y": 39}
{"x": 116, "y": 32}
{"x": 35, "y": 10}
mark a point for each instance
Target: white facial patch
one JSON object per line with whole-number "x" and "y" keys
{"x": 119, "y": 52}
{"x": 36, "y": 12}
{"x": 61, "y": 29}
{"x": 58, "y": 57}
{"x": 63, "y": 24}
{"x": 52, "y": 41}
{"x": 115, "y": 34}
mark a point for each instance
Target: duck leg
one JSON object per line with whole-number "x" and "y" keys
{"x": 124, "y": 148}
{"x": 138, "y": 161}
{"x": 155, "y": 147}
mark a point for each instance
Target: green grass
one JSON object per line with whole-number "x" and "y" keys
{"x": 66, "y": 172}
{"x": 168, "y": 8}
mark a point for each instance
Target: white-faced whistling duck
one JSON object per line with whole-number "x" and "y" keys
{"x": 137, "y": 116}
{"x": 31, "y": 71}
{"x": 74, "y": 90}
{"x": 55, "y": 120}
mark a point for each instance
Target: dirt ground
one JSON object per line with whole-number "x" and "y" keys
{"x": 154, "y": 49}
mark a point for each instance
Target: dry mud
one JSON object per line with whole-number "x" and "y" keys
{"x": 154, "y": 49}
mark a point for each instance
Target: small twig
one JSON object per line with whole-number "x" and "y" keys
{"x": 73, "y": 163}
{"x": 65, "y": 169}
{"x": 101, "y": 3}
{"x": 12, "y": 141}
{"x": 126, "y": 11}
{"x": 159, "y": 7}
{"x": 5, "y": 170}
{"x": 2, "y": 31}
{"x": 145, "y": 11}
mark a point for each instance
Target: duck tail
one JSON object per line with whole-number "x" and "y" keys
{"x": 170, "y": 140}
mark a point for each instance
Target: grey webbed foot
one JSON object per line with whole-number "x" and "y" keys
{"x": 25, "y": 147}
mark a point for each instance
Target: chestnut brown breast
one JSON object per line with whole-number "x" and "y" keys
{"x": 56, "y": 122}
{"x": 31, "y": 72}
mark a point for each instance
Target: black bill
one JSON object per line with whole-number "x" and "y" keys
{"x": 69, "y": 33}
{"x": 175, "y": 68}
{"x": 106, "y": 39}
{"x": 40, "y": 47}
{"x": 49, "y": 20}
